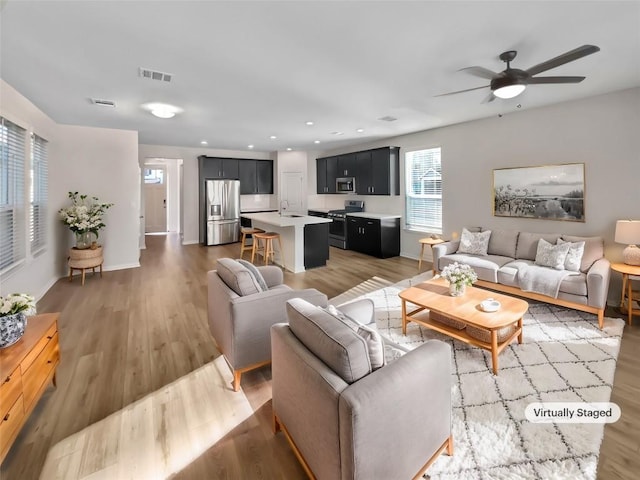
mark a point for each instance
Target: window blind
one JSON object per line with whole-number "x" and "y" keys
{"x": 39, "y": 194}
{"x": 12, "y": 198}
{"x": 424, "y": 190}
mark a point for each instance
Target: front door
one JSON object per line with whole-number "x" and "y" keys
{"x": 155, "y": 199}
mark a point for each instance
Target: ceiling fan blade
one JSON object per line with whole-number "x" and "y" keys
{"x": 479, "y": 72}
{"x": 567, "y": 57}
{"x": 490, "y": 98}
{"x": 541, "y": 80}
{"x": 461, "y": 91}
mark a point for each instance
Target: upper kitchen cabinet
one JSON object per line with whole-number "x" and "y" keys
{"x": 256, "y": 176}
{"x": 326, "y": 174}
{"x": 347, "y": 165}
{"x": 214, "y": 167}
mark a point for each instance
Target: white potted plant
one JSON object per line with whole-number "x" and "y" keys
{"x": 458, "y": 276}
{"x": 84, "y": 217}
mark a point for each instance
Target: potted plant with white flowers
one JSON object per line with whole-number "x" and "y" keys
{"x": 84, "y": 217}
{"x": 458, "y": 276}
{"x": 14, "y": 309}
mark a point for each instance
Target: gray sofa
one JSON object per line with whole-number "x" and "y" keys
{"x": 510, "y": 252}
{"x": 345, "y": 421}
{"x": 240, "y": 314}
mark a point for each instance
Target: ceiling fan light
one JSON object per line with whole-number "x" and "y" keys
{"x": 509, "y": 91}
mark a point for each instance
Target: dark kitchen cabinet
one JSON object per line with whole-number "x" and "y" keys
{"x": 326, "y": 174}
{"x": 264, "y": 174}
{"x": 378, "y": 172}
{"x": 347, "y": 165}
{"x": 214, "y": 167}
{"x": 374, "y": 236}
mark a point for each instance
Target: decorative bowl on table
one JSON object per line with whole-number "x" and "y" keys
{"x": 490, "y": 305}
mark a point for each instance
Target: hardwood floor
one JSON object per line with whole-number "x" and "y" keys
{"x": 136, "y": 334}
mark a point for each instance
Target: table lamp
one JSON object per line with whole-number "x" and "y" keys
{"x": 628, "y": 233}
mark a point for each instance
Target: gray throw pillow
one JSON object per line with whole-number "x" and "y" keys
{"x": 373, "y": 339}
{"x": 574, "y": 255}
{"x": 237, "y": 277}
{"x": 474, "y": 243}
{"x": 257, "y": 276}
{"x": 549, "y": 255}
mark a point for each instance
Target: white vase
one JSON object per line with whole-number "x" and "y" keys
{"x": 457, "y": 290}
{"x": 12, "y": 328}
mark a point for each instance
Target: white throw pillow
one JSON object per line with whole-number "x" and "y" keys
{"x": 574, "y": 255}
{"x": 474, "y": 243}
{"x": 549, "y": 255}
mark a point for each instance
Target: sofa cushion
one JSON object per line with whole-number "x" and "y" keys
{"x": 485, "y": 267}
{"x": 575, "y": 284}
{"x": 329, "y": 339}
{"x": 474, "y": 243}
{"x": 237, "y": 277}
{"x": 553, "y": 256}
{"x": 257, "y": 276}
{"x": 375, "y": 345}
{"x": 574, "y": 255}
{"x": 503, "y": 243}
{"x": 593, "y": 250}
{"x": 528, "y": 244}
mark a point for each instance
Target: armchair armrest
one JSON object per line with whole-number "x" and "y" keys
{"x": 408, "y": 400}
{"x": 598, "y": 283}
{"x": 442, "y": 249}
{"x": 362, "y": 311}
{"x": 272, "y": 275}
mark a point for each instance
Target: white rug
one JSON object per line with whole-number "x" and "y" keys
{"x": 564, "y": 357}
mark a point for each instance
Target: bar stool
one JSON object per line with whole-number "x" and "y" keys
{"x": 267, "y": 248}
{"x": 246, "y": 231}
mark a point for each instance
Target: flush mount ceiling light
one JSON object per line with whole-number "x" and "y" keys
{"x": 289, "y": 149}
{"x": 360, "y": 130}
{"x": 316, "y": 141}
{"x": 162, "y": 110}
{"x": 249, "y": 146}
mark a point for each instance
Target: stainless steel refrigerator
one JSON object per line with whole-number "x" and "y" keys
{"x": 222, "y": 199}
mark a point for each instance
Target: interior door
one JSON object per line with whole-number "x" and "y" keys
{"x": 155, "y": 199}
{"x": 292, "y": 192}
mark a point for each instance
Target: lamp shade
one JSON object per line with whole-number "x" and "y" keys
{"x": 628, "y": 232}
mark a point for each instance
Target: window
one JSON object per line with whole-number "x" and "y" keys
{"x": 38, "y": 195}
{"x": 12, "y": 199}
{"x": 424, "y": 190}
{"x": 154, "y": 176}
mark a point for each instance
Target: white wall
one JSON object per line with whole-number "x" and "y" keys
{"x": 189, "y": 156}
{"x": 96, "y": 161}
{"x": 602, "y": 132}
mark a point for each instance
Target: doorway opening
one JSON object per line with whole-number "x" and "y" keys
{"x": 161, "y": 197}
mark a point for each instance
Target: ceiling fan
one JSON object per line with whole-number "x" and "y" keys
{"x": 512, "y": 82}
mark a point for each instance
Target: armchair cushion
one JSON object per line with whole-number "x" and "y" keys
{"x": 329, "y": 339}
{"x": 237, "y": 277}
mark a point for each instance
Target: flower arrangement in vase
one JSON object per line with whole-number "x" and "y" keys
{"x": 84, "y": 217}
{"x": 14, "y": 309}
{"x": 458, "y": 276}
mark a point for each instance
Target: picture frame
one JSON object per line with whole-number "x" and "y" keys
{"x": 548, "y": 192}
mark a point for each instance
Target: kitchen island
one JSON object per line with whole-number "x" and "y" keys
{"x": 305, "y": 239}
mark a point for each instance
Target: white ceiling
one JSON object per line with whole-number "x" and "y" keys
{"x": 246, "y": 70}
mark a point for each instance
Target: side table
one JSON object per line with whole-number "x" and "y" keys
{"x": 628, "y": 293}
{"x": 431, "y": 242}
{"x": 85, "y": 259}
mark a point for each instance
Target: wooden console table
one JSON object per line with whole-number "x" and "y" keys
{"x": 26, "y": 367}
{"x": 85, "y": 259}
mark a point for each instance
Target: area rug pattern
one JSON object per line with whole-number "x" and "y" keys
{"x": 564, "y": 357}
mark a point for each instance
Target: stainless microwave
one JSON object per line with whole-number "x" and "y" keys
{"x": 346, "y": 185}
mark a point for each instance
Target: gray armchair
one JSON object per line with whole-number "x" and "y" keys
{"x": 240, "y": 314}
{"x": 345, "y": 421}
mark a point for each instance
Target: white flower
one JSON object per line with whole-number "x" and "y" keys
{"x": 16, "y": 303}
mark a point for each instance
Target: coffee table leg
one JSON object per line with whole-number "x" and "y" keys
{"x": 404, "y": 317}
{"x": 520, "y": 327}
{"x": 494, "y": 351}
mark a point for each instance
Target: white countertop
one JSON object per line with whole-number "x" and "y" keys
{"x": 257, "y": 210}
{"x": 380, "y": 216}
{"x": 274, "y": 218}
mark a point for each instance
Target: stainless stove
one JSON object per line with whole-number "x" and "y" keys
{"x": 338, "y": 228}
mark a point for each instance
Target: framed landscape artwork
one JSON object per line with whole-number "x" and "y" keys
{"x": 551, "y": 192}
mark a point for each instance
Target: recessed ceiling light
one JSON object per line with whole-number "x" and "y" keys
{"x": 249, "y": 146}
{"x": 309, "y": 123}
{"x": 204, "y": 142}
{"x": 289, "y": 149}
{"x": 162, "y": 110}
{"x": 316, "y": 141}
{"x": 273, "y": 137}
{"x": 360, "y": 130}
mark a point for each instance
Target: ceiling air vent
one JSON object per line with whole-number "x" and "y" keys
{"x": 154, "y": 75}
{"x": 388, "y": 118}
{"x": 103, "y": 103}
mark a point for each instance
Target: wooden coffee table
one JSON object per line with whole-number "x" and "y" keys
{"x": 433, "y": 295}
